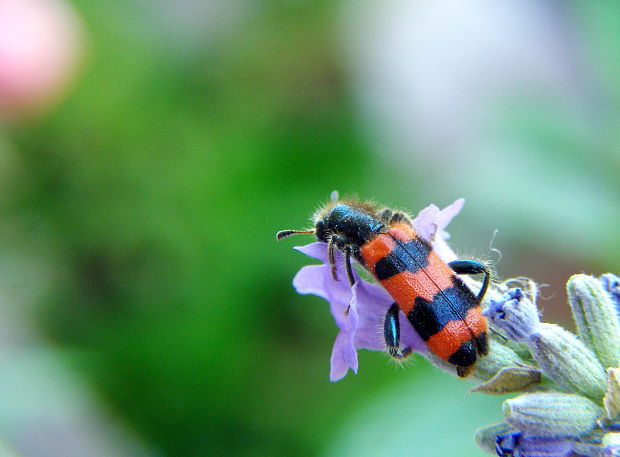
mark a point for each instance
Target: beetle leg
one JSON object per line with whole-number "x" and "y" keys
{"x": 391, "y": 333}
{"x": 330, "y": 255}
{"x": 348, "y": 252}
{"x": 472, "y": 267}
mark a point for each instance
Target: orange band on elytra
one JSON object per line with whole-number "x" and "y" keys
{"x": 450, "y": 338}
{"x": 376, "y": 249}
{"x": 406, "y": 286}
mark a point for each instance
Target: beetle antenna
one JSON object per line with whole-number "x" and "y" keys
{"x": 286, "y": 233}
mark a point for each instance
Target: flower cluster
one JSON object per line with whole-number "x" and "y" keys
{"x": 569, "y": 402}
{"x": 572, "y": 408}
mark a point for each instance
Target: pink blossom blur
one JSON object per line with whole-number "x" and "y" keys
{"x": 40, "y": 44}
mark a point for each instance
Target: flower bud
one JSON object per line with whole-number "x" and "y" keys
{"x": 566, "y": 360}
{"x": 486, "y": 437}
{"x": 552, "y": 414}
{"x": 612, "y": 397}
{"x": 596, "y": 318}
{"x": 515, "y": 314}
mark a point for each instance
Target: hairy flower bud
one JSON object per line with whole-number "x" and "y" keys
{"x": 596, "y": 318}
{"x": 552, "y": 414}
{"x": 486, "y": 437}
{"x": 612, "y": 397}
{"x": 566, "y": 360}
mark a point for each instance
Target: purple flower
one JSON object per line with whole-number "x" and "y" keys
{"x": 359, "y": 311}
{"x": 521, "y": 445}
{"x": 611, "y": 283}
{"x": 612, "y": 450}
{"x": 515, "y": 314}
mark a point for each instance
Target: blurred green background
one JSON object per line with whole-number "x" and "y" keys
{"x": 145, "y": 299}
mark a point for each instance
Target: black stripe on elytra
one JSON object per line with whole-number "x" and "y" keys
{"x": 464, "y": 355}
{"x": 410, "y": 256}
{"x": 429, "y": 317}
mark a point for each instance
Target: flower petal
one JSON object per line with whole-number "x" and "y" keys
{"x": 309, "y": 280}
{"x": 431, "y": 223}
{"x": 317, "y": 250}
{"x": 344, "y": 356}
{"x": 447, "y": 214}
{"x": 425, "y": 223}
{"x": 372, "y": 303}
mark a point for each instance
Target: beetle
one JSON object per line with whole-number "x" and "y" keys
{"x": 437, "y": 303}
